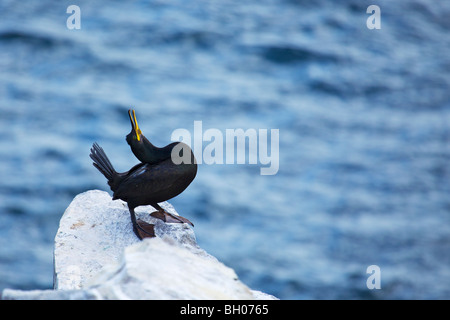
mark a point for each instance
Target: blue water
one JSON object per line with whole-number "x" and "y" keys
{"x": 363, "y": 116}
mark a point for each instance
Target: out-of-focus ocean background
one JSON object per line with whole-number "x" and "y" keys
{"x": 363, "y": 118}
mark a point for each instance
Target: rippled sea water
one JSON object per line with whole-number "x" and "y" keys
{"x": 363, "y": 117}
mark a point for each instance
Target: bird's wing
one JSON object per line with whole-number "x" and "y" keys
{"x": 148, "y": 179}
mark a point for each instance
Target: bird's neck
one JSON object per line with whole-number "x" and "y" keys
{"x": 152, "y": 154}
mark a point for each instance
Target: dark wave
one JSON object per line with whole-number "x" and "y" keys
{"x": 290, "y": 54}
{"x": 32, "y": 39}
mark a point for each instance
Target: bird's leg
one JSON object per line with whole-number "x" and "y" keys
{"x": 168, "y": 217}
{"x": 141, "y": 228}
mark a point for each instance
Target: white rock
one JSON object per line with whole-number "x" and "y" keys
{"x": 97, "y": 256}
{"x": 95, "y": 230}
{"x": 157, "y": 269}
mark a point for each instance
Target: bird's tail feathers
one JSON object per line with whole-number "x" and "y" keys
{"x": 102, "y": 163}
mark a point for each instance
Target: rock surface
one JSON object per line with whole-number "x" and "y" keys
{"x": 97, "y": 256}
{"x": 95, "y": 230}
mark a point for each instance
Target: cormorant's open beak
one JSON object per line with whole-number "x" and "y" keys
{"x": 134, "y": 124}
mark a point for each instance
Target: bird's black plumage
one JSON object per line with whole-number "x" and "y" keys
{"x": 161, "y": 175}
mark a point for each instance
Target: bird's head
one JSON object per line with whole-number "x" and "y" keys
{"x": 143, "y": 149}
{"x": 135, "y": 136}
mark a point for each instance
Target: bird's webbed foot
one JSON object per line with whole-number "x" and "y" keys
{"x": 170, "y": 218}
{"x": 143, "y": 229}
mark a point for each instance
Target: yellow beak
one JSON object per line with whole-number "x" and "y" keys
{"x": 135, "y": 125}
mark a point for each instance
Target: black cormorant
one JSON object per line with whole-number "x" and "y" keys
{"x": 160, "y": 176}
